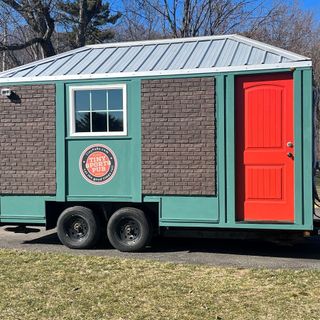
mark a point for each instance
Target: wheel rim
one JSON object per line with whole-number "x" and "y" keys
{"x": 128, "y": 231}
{"x": 76, "y": 228}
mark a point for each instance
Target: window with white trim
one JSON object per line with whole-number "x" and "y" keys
{"x": 98, "y": 110}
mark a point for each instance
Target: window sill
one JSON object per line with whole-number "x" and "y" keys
{"x": 99, "y": 138}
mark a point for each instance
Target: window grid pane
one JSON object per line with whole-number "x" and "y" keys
{"x": 99, "y": 100}
{"x": 82, "y": 100}
{"x": 113, "y": 110}
{"x": 115, "y": 99}
{"x": 115, "y": 121}
{"x": 99, "y": 121}
{"x": 83, "y": 122}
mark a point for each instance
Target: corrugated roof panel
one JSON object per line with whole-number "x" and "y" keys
{"x": 6, "y": 75}
{"x": 257, "y": 56}
{"x": 40, "y": 68}
{"x": 63, "y": 61}
{"x": 183, "y": 55}
{"x": 154, "y": 57}
{"x": 126, "y": 59}
{"x": 167, "y": 59}
{"x": 86, "y": 61}
{"x": 197, "y": 54}
{"x": 272, "y": 58}
{"x": 242, "y": 55}
{"x": 35, "y": 64}
{"x": 141, "y": 57}
{"x": 209, "y": 59}
{"x": 71, "y": 65}
{"x": 112, "y": 60}
{"x": 285, "y": 60}
{"x": 168, "y": 56}
{"x": 227, "y": 54}
{"x": 103, "y": 55}
{"x": 21, "y": 73}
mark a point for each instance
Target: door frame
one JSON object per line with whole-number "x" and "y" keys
{"x": 303, "y": 204}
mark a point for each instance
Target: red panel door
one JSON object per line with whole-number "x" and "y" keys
{"x": 264, "y": 148}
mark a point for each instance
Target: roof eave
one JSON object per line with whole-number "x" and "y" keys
{"x": 268, "y": 47}
{"x": 261, "y": 67}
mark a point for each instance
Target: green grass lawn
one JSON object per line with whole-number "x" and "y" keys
{"x": 60, "y": 286}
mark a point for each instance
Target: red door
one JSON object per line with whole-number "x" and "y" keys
{"x": 264, "y": 148}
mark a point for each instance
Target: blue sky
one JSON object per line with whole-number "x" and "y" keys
{"x": 313, "y": 5}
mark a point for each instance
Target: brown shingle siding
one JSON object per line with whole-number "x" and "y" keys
{"x": 178, "y": 136}
{"x": 27, "y": 141}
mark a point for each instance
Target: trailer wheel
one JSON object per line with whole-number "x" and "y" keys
{"x": 78, "y": 228}
{"x": 129, "y": 230}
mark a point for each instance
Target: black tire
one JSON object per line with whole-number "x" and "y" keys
{"x": 78, "y": 228}
{"x": 129, "y": 230}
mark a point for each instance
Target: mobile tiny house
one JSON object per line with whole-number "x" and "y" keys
{"x": 211, "y": 132}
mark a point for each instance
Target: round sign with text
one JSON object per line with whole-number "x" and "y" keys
{"x": 98, "y": 164}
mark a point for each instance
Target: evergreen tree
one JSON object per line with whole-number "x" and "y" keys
{"x": 87, "y": 21}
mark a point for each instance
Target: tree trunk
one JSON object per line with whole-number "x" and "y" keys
{"x": 186, "y": 21}
{"x": 81, "y": 36}
{"x": 47, "y": 48}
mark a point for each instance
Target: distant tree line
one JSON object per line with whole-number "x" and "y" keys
{"x": 35, "y": 29}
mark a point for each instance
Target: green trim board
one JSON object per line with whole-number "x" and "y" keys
{"x": 98, "y": 138}
{"x": 151, "y": 198}
{"x": 135, "y": 129}
{"x": 24, "y": 209}
{"x": 60, "y": 143}
{"x": 18, "y": 220}
{"x": 298, "y": 108}
{"x": 104, "y": 198}
{"x": 307, "y": 136}
{"x": 242, "y": 226}
{"x": 220, "y": 148}
{"x": 230, "y": 148}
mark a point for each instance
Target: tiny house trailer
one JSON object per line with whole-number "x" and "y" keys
{"x": 135, "y": 138}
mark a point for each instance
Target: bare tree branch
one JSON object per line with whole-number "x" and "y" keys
{"x": 19, "y": 46}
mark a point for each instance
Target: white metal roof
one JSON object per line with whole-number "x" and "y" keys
{"x": 158, "y": 57}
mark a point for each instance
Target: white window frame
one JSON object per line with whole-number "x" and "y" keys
{"x": 73, "y": 89}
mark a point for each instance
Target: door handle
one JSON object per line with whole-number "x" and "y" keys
{"x": 290, "y": 155}
{"x": 290, "y": 144}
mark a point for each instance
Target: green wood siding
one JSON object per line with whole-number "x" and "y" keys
{"x": 23, "y": 209}
{"x": 180, "y": 211}
{"x": 60, "y": 142}
{"x": 188, "y": 210}
{"x": 126, "y": 184}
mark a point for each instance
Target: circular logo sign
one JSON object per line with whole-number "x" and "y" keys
{"x": 98, "y": 164}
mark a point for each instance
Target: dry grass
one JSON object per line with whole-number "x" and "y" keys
{"x": 60, "y": 286}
